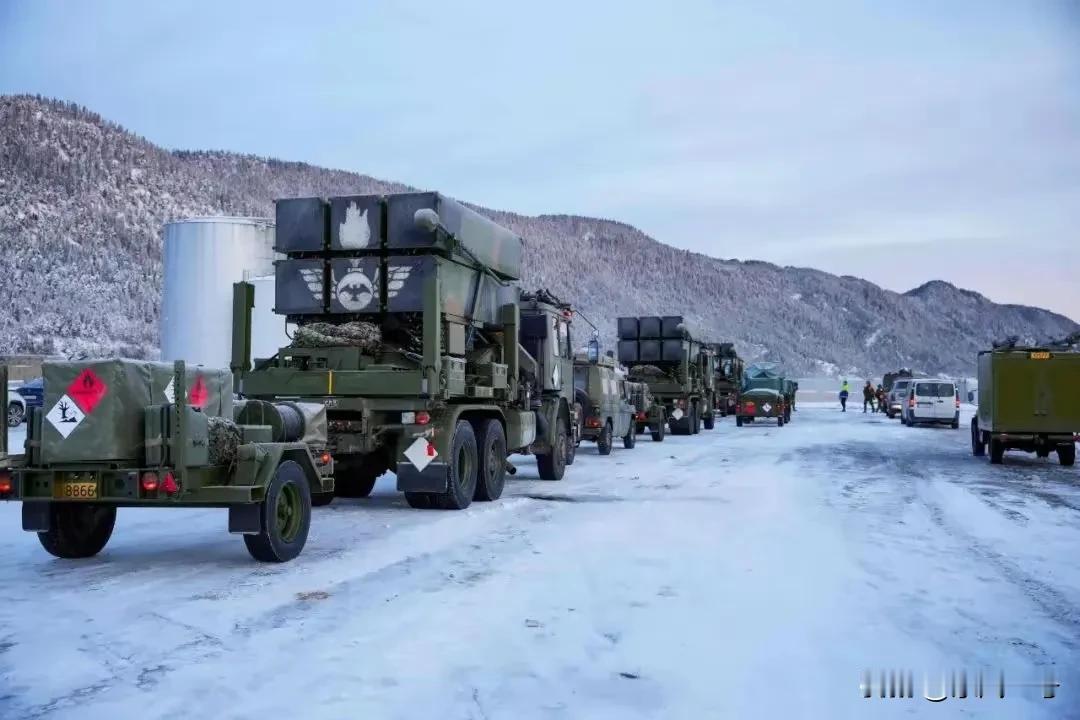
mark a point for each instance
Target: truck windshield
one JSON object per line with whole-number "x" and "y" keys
{"x": 581, "y": 378}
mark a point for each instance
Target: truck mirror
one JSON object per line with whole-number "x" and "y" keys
{"x": 594, "y": 351}
{"x": 426, "y": 219}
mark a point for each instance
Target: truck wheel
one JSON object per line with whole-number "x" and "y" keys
{"x": 710, "y": 421}
{"x": 997, "y": 451}
{"x": 420, "y": 500}
{"x": 630, "y": 439}
{"x": 15, "y": 414}
{"x": 355, "y": 478}
{"x": 491, "y": 475}
{"x": 552, "y": 465}
{"x": 77, "y": 530}
{"x": 695, "y": 421}
{"x": 322, "y": 499}
{"x": 738, "y": 421}
{"x": 464, "y": 466}
{"x": 978, "y": 447}
{"x": 780, "y": 420}
{"x": 286, "y": 516}
{"x": 659, "y": 432}
{"x": 603, "y": 441}
{"x": 1067, "y": 454}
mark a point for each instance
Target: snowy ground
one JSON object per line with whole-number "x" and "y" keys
{"x": 750, "y": 572}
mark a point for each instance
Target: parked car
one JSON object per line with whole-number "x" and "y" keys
{"x": 932, "y": 401}
{"x": 16, "y": 407}
{"x": 32, "y": 392}
{"x": 897, "y": 397}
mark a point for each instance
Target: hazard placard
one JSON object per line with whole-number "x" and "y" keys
{"x": 198, "y": 394}
{"x": 87, "y": 390}
{"x": 65, "y": 416}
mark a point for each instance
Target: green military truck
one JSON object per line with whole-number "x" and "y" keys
{"x": 649, "y": 413}
{"x": 1029, "y": 399}
{"x": 601, "y": 390}
{"x": 431, "y": 362}
{"x": 125, "y": 433}
{"x": 729, "y": 373}
{"x": 679, "y": 370}
{"x": 765, "y": 394}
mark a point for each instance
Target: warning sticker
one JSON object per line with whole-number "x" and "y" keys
{"x": 420, "y": 453}
{"x": 170, "y": 390}
{"x": 65, "y": 416}
{"x": 86, "y": 390}
{"x": 677, "y": 414}
{"x": 767, "y": 407}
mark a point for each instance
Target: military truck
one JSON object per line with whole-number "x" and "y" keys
{"x": 649, "y": 413}
{"x": 679, "y": 370}
{"x": 729, "y": 372}
{"x": 1029, "y": 399}
{"x": 431, "y": 362}
{"x": 601, "y": 390}
{"x": 126, "y": 433}
{"x": 765, "y": 393}
{"x": 891, "y": 377}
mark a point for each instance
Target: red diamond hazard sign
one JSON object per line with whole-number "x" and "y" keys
{"x": 198, "y": 394}
{"x": 86, "y": 390}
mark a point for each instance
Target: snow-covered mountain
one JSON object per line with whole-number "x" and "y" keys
{"x": 83, "y": 201}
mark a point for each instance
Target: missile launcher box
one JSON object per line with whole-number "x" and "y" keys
{"x": 649, "y": 328}
{"x": 94, "y": 410}
{"x": 628, "y": 328}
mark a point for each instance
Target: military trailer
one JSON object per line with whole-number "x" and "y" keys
{"x": 1029, "y": 399}
{"x": 600, "y": 389}
{"x": 127, "y": 433}
{"x": 729, "y": 373}
{"x": 679, "y": 370}
{"x": 649, "y": 413}
{"x": 764, "y": 394}
{"x": 431, "y": 362}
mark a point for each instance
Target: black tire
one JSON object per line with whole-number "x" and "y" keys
{"x": 552, "y": 465}
{"x": 1042, "y": 452}
{"x": 571, "y": 447}
{"x": 604, "y": 440}
{"x": 630, "y": 439}
{"x": 978, "y": 447}
{"x": 780, "y": 420}
{"x": 491, "y": 475}
{"x": 695, "y": 421}
{"x": 464, "y": 467}
{"x": 78, "y": 530}
{"x": 16, "y": 414}
{"x": 420, "y": 500}
{"x": 286, "y": 516}
{"x": 1067, "y": 454}
{"x": 709, "y": 421}
{"x": 660, "y": 431}
{"x": 355, "y": 483}
{"x": 322, "y": 499}
{"x": 738, "y": 421}
{"x": 997, "y": 451}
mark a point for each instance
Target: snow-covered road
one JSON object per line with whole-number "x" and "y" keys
{"x": 751, "y": 572}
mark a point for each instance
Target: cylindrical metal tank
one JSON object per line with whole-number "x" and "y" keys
{"x": 268, "y": 330}
{"x": 203, "y": 257}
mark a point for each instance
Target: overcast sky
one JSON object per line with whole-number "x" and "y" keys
{"x": 898, "y": 141}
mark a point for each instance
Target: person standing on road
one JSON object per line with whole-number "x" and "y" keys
{"x": 882, "y": 398}
{"x": 845, "y": 390}
{"x": 867, "y": 396}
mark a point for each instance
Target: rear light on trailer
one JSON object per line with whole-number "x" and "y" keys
{"x": 592, "y": 422}
{"x": 325, "y": 458}
{"x": 749, "y": 406}
{"x": 641, "y": 416}
{"x": 168, "y": 484}
{"x": 149, "y": 482}
{"x": 423, "y": 417}
{"x": 6, "y": 486}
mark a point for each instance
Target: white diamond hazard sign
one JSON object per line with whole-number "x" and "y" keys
{"x": 420, "y": 453}
{"x": 170, "y": 390}
{"x": 767, "y": 407}
{"x": 65, "y": 416}
{"x": 677, "y": 414}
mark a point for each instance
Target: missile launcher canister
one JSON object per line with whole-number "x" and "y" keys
{"x": 411, "y": 331}
{"x": 126, "y": 433}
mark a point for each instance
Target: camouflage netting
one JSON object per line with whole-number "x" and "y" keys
{"x": 646, "y": 371}
{"x": 224, "y": 439}
{"x": 364, "y": 335}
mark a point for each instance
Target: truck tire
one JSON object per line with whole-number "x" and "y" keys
{"x": 355, "y": 481}
{"x": 15, "y": 414}
{"x": 630, "y": 439}
{"x": 286, "y": 516}
{"x": 464, "y": 467}
{"x": 491, "y": 475}
{"x": 709, "y": 421}
{"x": 322, "y": 499}
{"x": 695, "y": 421}
{"x": 604, "y": 440}
{"x": 659, "y": 432}
{"x": 1067, "y": 454}
{"x": 77, "y": 530}
{"x": 780, "y": 420}
{"x": 738, "y": 421}
{"x": 978, "y": 447}
{"x": 420, "y": 500}
{"x": 997, "y": 451}
{"x": 552, "y": 465}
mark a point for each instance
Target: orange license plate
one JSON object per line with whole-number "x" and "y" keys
{"x": 1040, "y": 356}
{"x": 72, "y": 490}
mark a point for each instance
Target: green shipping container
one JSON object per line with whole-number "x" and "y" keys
{"x": 1029, "y": 391}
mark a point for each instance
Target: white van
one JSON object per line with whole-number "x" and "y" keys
{"x": 931, "y": 400}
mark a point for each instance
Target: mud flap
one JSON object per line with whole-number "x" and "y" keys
{"x": 245, "y": 519}
{"x": 35, "y": 516}
{"x": 433, "y": 478}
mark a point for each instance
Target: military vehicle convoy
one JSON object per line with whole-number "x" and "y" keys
{"x": 679, "y": 370}
{"x": 607, "y": 413}
{"x": 430, "y": 361}
{"x": 729, "y": 373}
{"x": 765, "y": 394}
{"x": 649, "y": 413}
{"x": 1029, "y": 399}
{"x": 125, "y": 433}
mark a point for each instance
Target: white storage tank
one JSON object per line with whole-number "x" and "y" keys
{"x": 203, "y": 257}
{"x": 268, "y": 331}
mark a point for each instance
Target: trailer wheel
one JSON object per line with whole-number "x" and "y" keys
{"x": 77, "y": 530}
{"x": 709, "y": 421}
{"x": 322, "y": 499}
{"x": 464, "y": 465}
{"x": 552, "y": 465}
{"x": 1067, "y": 454}
{"x": 630, "y": 440}
{"x": 738, "y": 421}
{"x": 695, "y": 421}
{"x": 978, "y": 447}
{"x": 780, "y": 420}
{"x": 420, "y": 500}
{"x": 997, "y": 451}
{"x": 660, "y": 431}
{"x": 286, "y": 516}
{"x": 491, "y": 476}
{"x": 355, "y": 478}
{"x": 603, "y": 441}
